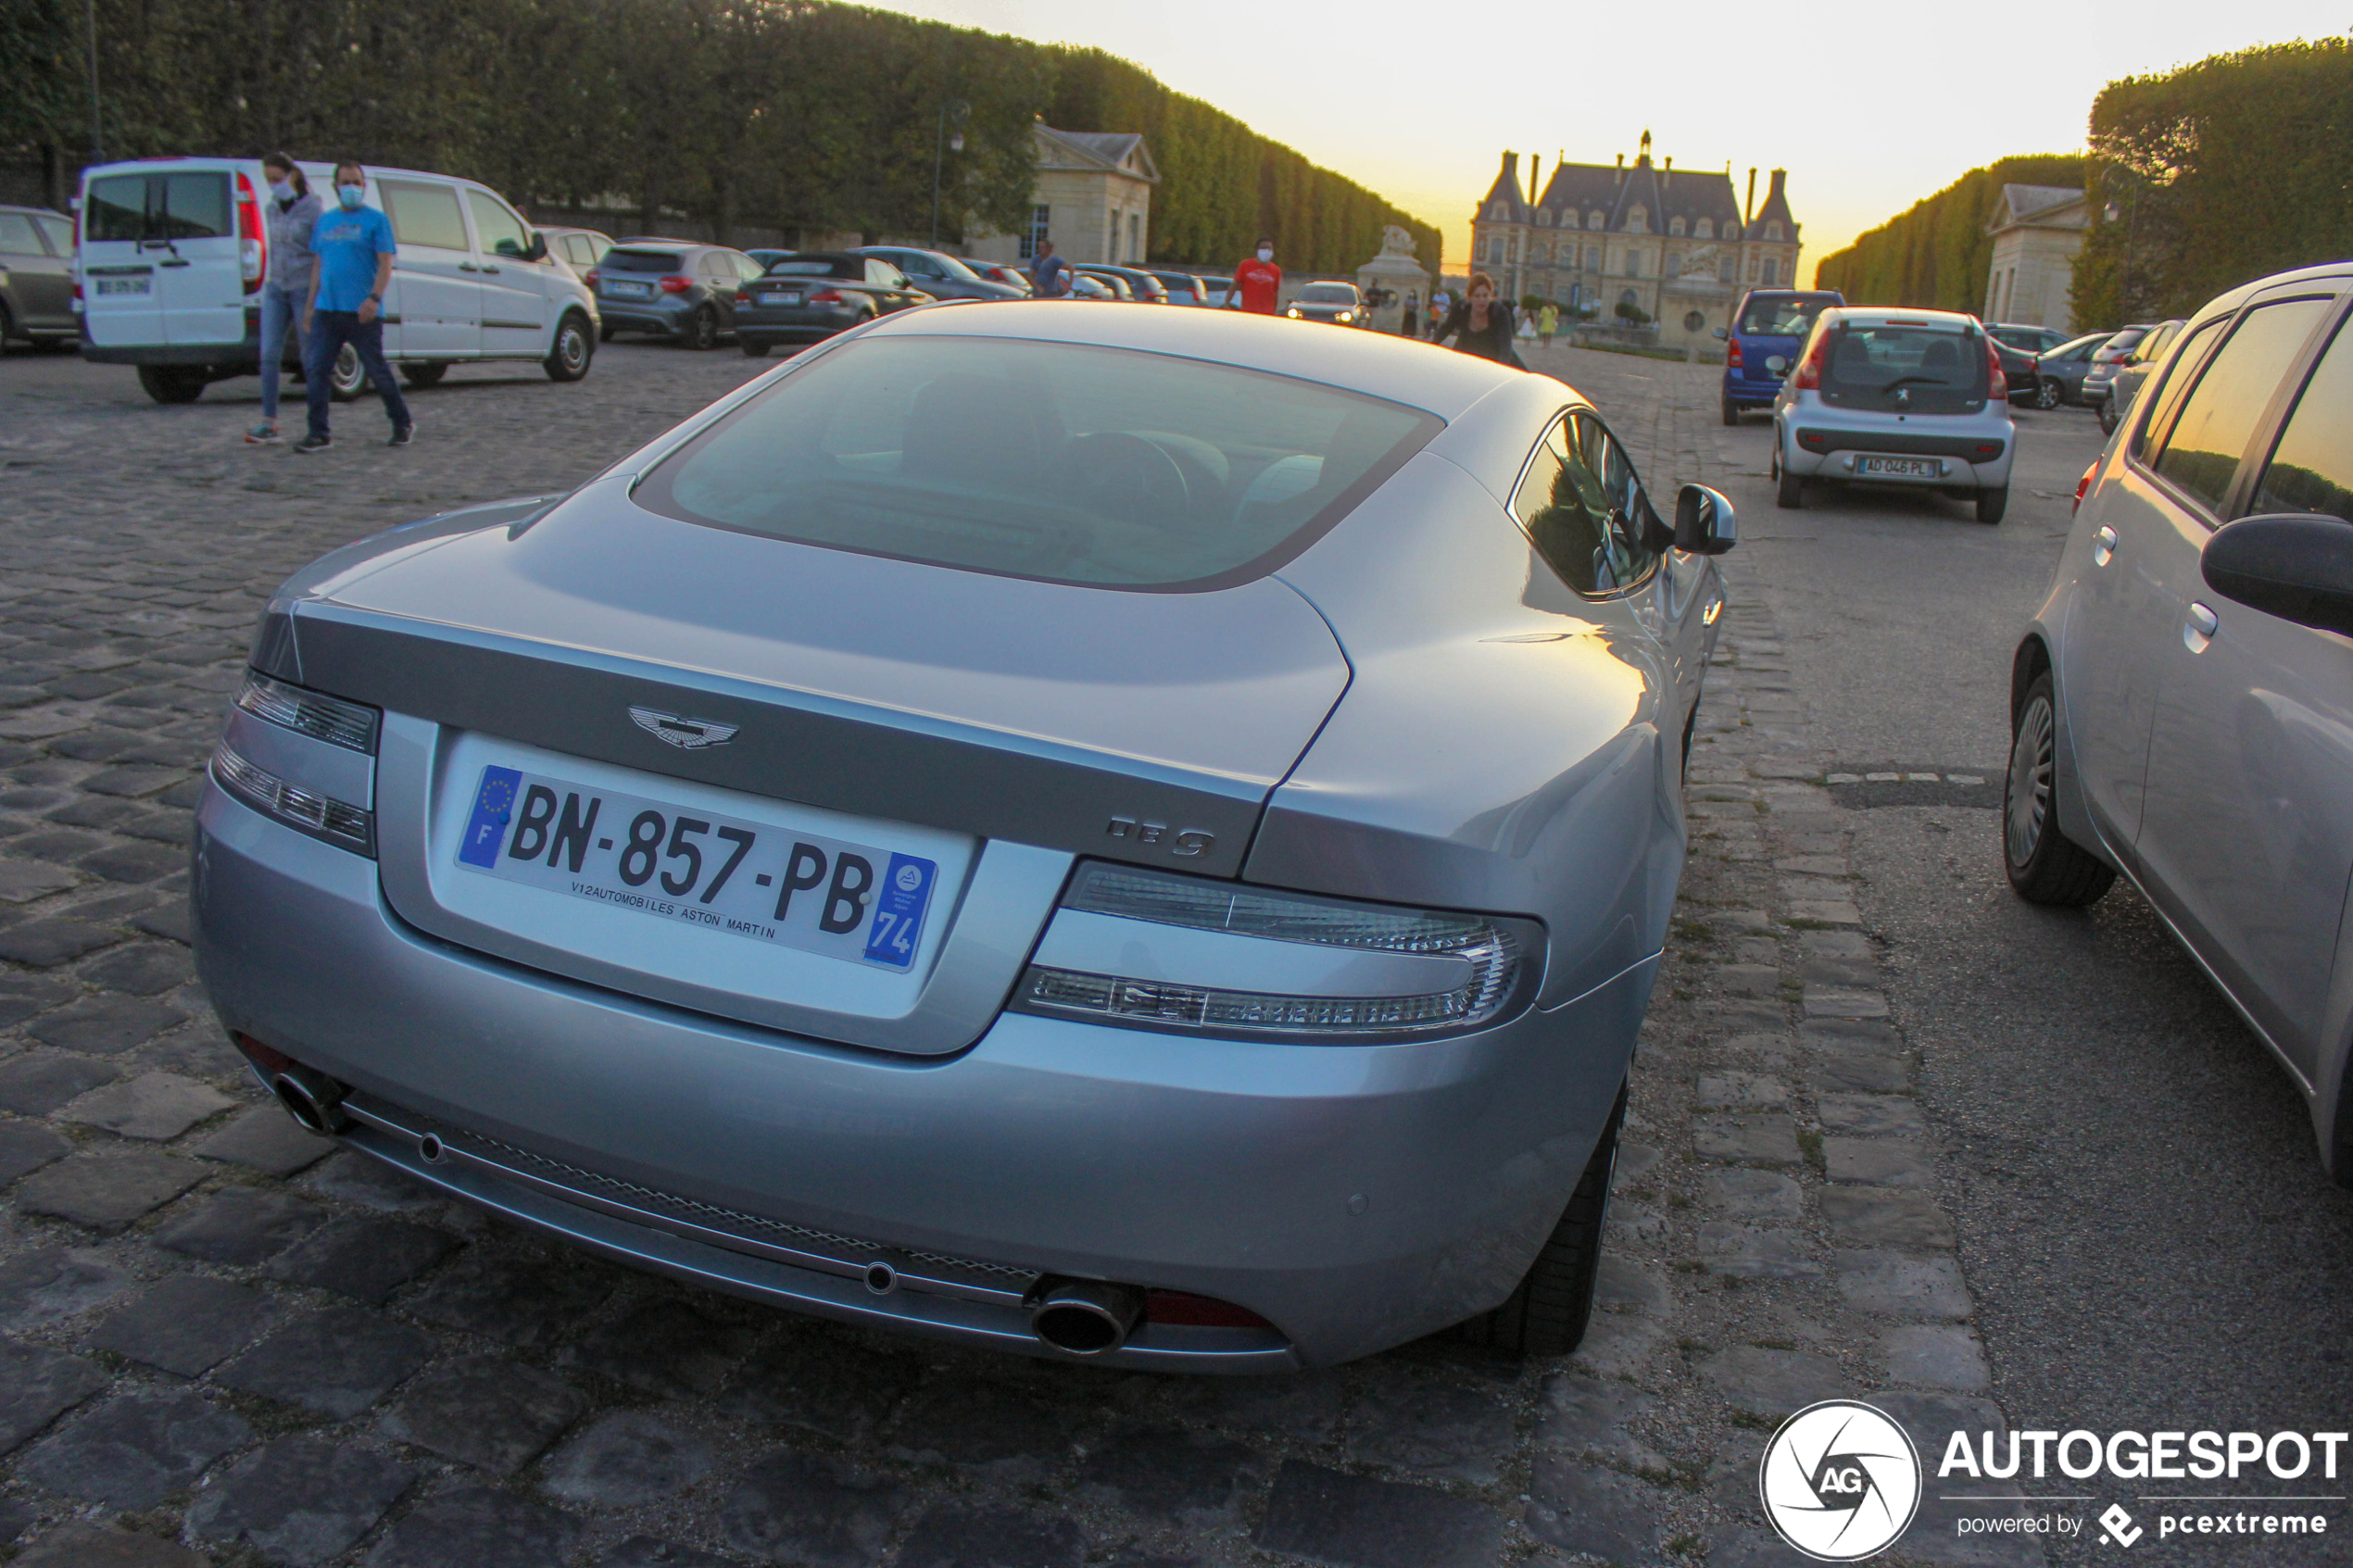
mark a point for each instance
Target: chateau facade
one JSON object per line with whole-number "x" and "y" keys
{"x": 1673, "y": 243}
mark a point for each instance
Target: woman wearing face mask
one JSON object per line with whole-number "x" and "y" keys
{"x": 289, "y": 215}
{"x": 1481, "y": 325}
{"x": 1258, "y": 281}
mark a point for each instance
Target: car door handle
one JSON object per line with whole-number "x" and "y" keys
{"x": 488, "y": 269}
{"x": 2198, "y": 627}
{"x": 174, "y": 261}
{"x": 468, "y": 267}
{"x": 2103, "y": 545}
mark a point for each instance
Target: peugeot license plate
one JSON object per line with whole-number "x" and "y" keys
{"x": 1900, "y": 468}
{"x": 858, "y": 902}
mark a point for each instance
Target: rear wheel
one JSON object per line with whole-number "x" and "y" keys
{"x": 1992, "y": 504}
{"x": 171, "y": 383}
{"x": 2048, "y": 393}
{"x": 568, "y": 357}
{"x": 604, "y": 333}
{"x": 2107, "y": 415}
{"x": 2044, "y": 865}
{"x": 702, "y": 330}
{"x": 1790, "y": 492}
{"x": 424, "y": 374}
{"x": 347, "y": 381}
{"x": 753, "y": 347}
{"x": 1547, "y": 1314}
{"x": 1731, "y": 412}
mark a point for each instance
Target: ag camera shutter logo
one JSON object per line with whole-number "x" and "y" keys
{"x": 1840, "y": 1481}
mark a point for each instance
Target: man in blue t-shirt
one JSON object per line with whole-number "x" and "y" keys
{"x": 353, "y": 242}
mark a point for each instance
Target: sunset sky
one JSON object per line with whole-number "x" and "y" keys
{"x": 1869, "y": 106}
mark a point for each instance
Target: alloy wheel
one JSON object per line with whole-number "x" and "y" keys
{"x": 2046, "y": 395}
{"x": 2027, "y": 805}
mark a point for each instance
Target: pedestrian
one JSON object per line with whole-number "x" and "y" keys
{"x": 1527, "y": 324}
{"x": 1257, "y": 282}
{"x": 1441, "y": 302}
{"x": 1548, "y": 322}
{"x": 1412, "y": 323}
{"x": 1481, "y": 325}
{"x": 354, "y": 249}
{"x": 1050, "y": 274}
{"x": 287, "y": 217}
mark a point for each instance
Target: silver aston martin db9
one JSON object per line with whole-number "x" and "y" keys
{"x": 1140, "y": 834}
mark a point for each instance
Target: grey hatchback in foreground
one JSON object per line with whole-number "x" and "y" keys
{"x": 1132, "y": 834}
{"x": 2182, "y": 707}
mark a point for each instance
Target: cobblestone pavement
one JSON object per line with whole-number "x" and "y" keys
{"x": 225, "y": 1342}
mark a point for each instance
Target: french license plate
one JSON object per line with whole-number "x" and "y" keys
{"x": 790, "y": 296}
{"x": 850, "y": 901}
{"x": 122, "y": 286}
{"x": 629, "y": 291}
{"x": 1900, "y": 468}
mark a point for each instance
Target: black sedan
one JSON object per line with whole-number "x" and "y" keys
{"x": 2018, "y": 369}
{"x": 816, "y": 293}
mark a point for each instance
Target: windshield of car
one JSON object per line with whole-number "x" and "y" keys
{"x": 1094, "y": 466}
{"x": 643, "y": 262}
{"x": 1918, "y": 367}
{"x": 1327, "y": 294}
{"x": 2127, "y": 339}
{"x": 1788, "y": 315}
{"x": 850, "y": 266}
{"x": 954, "y": 268}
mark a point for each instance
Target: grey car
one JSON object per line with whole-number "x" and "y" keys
{"x": 2181, "y": 705}
{"x": 2061, "y": 369}
{"x": 1131, "y": 835}
{"x": 2128, "y": 375}
{"x": 671, "y": 288}
{"x": 1882, "y": 395}
{"x": 2109, "y": 358}
{"x": 940, "y": 275}
{"x": 36, "y": 277}
{"x": 1334, "y": 304}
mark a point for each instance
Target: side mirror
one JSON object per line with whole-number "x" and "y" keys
{"x": 2298, "y": 566}
{"x": 1721, "y": 334}
{"x": 537, "y": 249}
{"x": 1705, "y": 523}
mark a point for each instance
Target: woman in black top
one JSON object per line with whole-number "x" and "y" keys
{"x": 1481, "y": 325}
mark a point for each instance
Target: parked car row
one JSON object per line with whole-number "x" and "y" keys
{"x": 36, "y": 277}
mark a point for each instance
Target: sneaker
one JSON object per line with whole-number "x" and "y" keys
{"x": 402, "y": 435}
{"x": 314, "y": 444}
{"x": 263, "y": 434}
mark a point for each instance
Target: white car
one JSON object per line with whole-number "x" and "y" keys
{"x": 169, "y": 256}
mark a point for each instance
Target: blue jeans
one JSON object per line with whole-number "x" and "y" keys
{"x": 281, "y": 314}
{"x": 330, "y": 329}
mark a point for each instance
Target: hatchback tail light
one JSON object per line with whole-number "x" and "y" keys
{"x": 2084, "y": 485}
{"x": 677, "y": 283}
{"x": 589, "y": 277}
{"x": 743, "y": 295}
{"x": 252, "y": 243}
{"x": 1808, "y": 377}
{"x": 1732, "y": 353}
{"x": 825, "y": 296}
{"x": 1997, "y": 385}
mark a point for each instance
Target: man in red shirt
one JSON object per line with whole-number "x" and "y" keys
{"x": 1258, "y": 281}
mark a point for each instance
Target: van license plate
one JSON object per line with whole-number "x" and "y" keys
{"x": 857, "y": 902}
{"x": 120, "y": 285}
{"x": 1900, "y": 468}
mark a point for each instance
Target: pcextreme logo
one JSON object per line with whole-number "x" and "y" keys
{"x": 1840, "y": 1481}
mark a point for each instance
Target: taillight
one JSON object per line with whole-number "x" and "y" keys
{"x": 591, "y": 278}
{"x": 2084, "y": 484}
{"x": 825, "y": 296}
{"x": 1997, "y": 385}
{"x": 1808, "y": 377}
{"x": 743, "y": 296}
{"x": 677, "y": 283}
{"x": 1732, "y": 353}
{"x": 252, "y": 243}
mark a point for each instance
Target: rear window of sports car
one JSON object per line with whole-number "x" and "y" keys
{"x": 1100, "y": 467}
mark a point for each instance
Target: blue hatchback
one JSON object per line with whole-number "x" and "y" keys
{"x": 1767, "y": 330}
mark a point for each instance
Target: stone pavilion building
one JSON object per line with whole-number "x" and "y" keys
{"x": 2037, "y": 232}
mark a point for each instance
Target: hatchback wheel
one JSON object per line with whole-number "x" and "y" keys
{"x": 1992, "y": 504}
{"x": 2044, "y": 865}
{"x": 2107, "y": 415}
{"x": 2048, "y": 393}
{"x": 703, "y": 329}
{"x": 1791, "y": 490}
{"x": 1547, "y": 1314}
{"x": 1731, "y": 412}
{"x": 753, "y": 347}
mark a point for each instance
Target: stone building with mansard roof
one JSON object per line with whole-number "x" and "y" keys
{"x": 1674, "y": 243}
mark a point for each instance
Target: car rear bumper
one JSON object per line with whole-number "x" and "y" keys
{"x": 762, "y": 325}
{"x": 1356, "y": 1198}
{"x": 643, "y": 316}
{"x": 242, "y": 355}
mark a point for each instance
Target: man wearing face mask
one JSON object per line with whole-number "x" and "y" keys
{"x": 353, "y": 242}
{"x": 1258, "y": 281}
{"x": 290, "y": 215}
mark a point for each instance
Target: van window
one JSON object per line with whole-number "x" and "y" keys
{"x": 2202, "y": 451}
{"x": 422, "y": 214}
{"x": 501, "y": 232}
{"x": 193, "y": 204}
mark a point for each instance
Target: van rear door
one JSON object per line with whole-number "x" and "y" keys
{"x": 160, "y": 257}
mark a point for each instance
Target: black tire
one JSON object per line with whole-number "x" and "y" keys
{"x": 424, "y": 373}
{"x": 1691, "y": 725}
{"x": 171, "y": 383}
{"x": 573, "y": 348}
{"x": 2048, "y": 393}
{"x": 1546, "y": 1315}
{"x": 8, "y": 327}
{"x": 1992, "y": 504}
{"x": 605, "y": 331}
{"x": 1789, "y": 489}
{"x": 753, "y": 347}
{"x": 701, "y": 332}
{"x": 2107, "y": 415}
{"x": 345, "y": 378}
{"x": 2044, "y": 865}
{"x": 1731, "y": 412}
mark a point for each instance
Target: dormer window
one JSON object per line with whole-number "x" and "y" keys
{"x": 1638, "y": 221}
{"x": 1675, "y": 226}
{"x": 1706, "y": 229}
{"x": 1592, "y": 220}
{"x": 1772, "y": 230}
{"x": 1501, "y": 212}
{"x": 1543, "y": 219}
{"x": 1731, "y": 230}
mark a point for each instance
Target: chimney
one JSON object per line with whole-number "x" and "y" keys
{"x": 1749, "y": 206}
{"x": 1670, "y": 168}
{"x": 1510, "y": 170}
{"x": 1780, "y": 177}
{"x": 1535, "y": 186}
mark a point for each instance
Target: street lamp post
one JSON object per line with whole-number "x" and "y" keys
{"x": 90, "y": 21}
{"x": 959, "y": 112}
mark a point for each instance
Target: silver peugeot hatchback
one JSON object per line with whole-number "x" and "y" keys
{"x": 1883, "y": 396}
{"x": 1142, "y": 835}
{"x": 2182, "y": 706}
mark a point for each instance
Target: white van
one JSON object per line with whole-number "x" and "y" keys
{"x": 170, "y": 253}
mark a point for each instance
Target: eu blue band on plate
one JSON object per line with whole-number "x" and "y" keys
{"x": 898, "y": 910}
{"x": 494, "y": 804}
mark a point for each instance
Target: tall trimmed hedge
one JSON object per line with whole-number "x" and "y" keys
{"x": 1936, "y": 254}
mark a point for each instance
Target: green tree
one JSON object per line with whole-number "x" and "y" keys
{"x": 1936, "y": 254}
